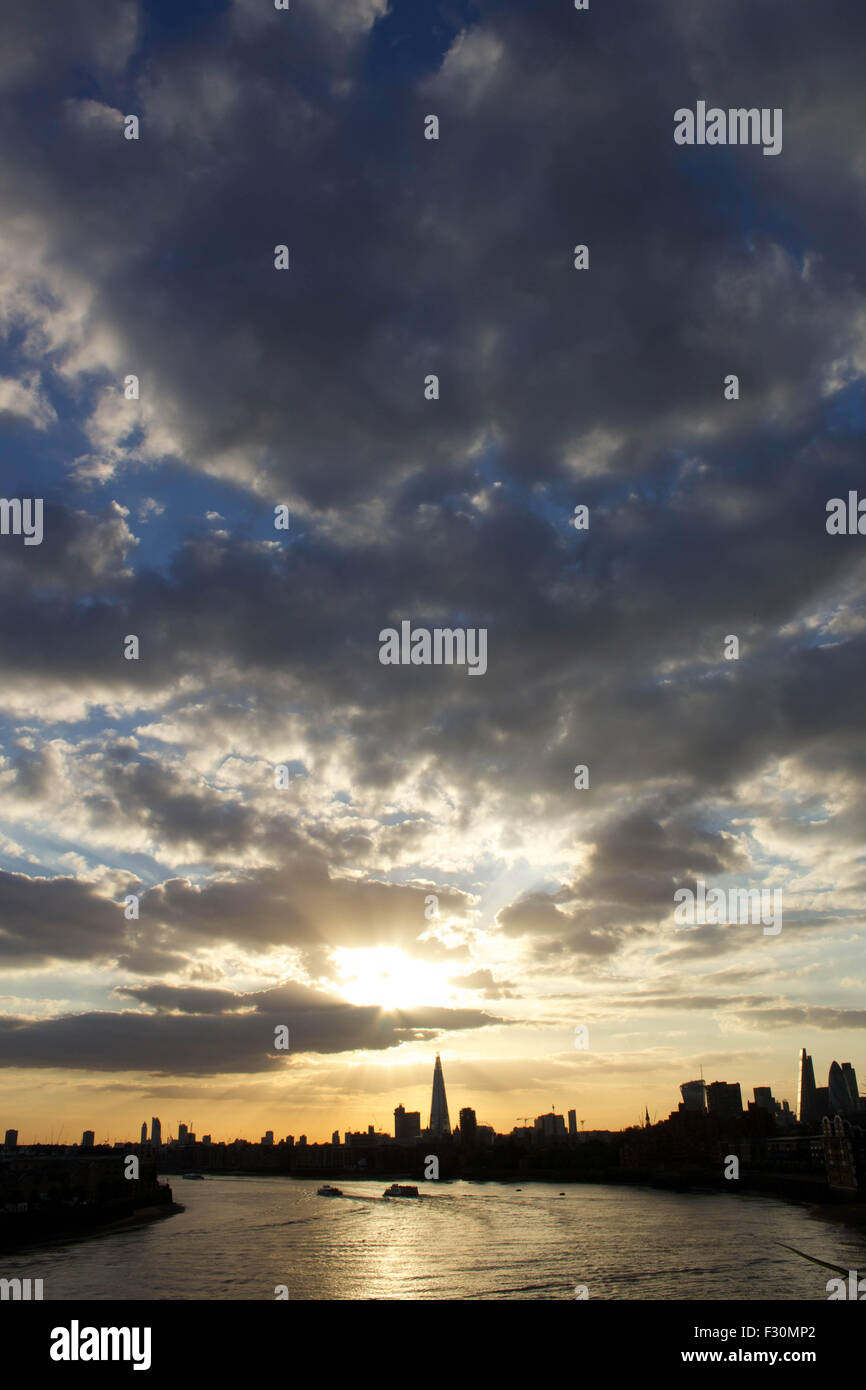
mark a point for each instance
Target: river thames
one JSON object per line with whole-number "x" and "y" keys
{"x": 243, "y": 1237}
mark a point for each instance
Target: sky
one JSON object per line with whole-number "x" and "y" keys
{"x": 424, "y": 875}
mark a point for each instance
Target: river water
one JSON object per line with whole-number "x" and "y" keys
{"x": 241, "y": 1237}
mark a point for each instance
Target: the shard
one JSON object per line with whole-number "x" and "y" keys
{"x": 439, "y": 1122}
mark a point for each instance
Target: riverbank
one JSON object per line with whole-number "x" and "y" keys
{"x": 26, "y": 1229}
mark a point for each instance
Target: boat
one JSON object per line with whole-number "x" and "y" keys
{"x": 192, "y": 1177}
{"x": 326, "y": 1190}
{"x": 396, "y": 1190}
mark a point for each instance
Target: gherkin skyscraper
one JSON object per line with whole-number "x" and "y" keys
{"x": 439, "y": 1122}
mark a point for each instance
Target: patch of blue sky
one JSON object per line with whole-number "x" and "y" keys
{"x": 409, "y": 41}
{"x": 48, "y": 851}
{"x": 400, "y": 817}
{"x": 732, "y": 194}
{"x": 845, "y": 412}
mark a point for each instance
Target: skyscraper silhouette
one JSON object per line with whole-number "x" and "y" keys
{"x": 839, "y": 1093}
{"x": 439, "y": 1121}
{"x": 853, "y": 1089}
{"x": 694, "y": 1095}
{"x": 807, "y": 1096}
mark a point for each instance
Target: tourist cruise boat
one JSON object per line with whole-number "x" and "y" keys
{"x": 395, "y": 1190}
{"x": 326, "y": 1190}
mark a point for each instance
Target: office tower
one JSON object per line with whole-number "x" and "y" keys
{"x": 407, "y": 1123}
{"x": 724, "y": 1099}
{"x": 205, "y": 1139}
{"x": 268, "y": 1138}
{"x": 764, "y": 1098}
{"x": 144, "y": 1132}
{"x": 807, "y": 1101}
{"x": 155, "y": 1130}
{"x": 822, "y": 1102}
{"x": 11, "y": 1140}
{"x": 181, "y": 1133}
{"x": 87, "y": 1139}
{"x": 572, "y": 1122}
{"x": 551, "y": 1126}
{"x": 853, "y": 1089}
{"x": 440, "y": 1125}
{"x": 335, "y": 1138}
{"x": 694, "y": 1094}
{"x": 838, "y": 1092}
{"x": 302, "y": 1141}
{"x": 468, "y": 1127}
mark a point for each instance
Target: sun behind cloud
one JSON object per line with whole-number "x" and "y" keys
{"x": 388, "y": 978}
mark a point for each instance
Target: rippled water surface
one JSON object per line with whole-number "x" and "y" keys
{"x": 240, "y": 1237}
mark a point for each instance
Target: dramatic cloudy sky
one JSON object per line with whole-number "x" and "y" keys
{"x": 306, "y": 905}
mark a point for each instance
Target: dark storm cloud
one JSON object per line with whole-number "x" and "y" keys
{"x": 143, "y": 959}
{"x": 80, "y": 553}
{"x": 412, "y": 256}
{"x": 556, "y": 660}
{"x": 300, "y": 904}
{"x": 75, "y": 33}
{"x": 484, "y": 982}
{"x": 633, "y": 872}
{"x": 148, "y": 795}
{"x": 214, "y": 1039}
{"x": 44, "y": 919}
{"x": 177, "y": 999}
{"x": 680, "y": 1000}
{"x": 687, "y": 944}
{"x": 801, "y": 1016}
